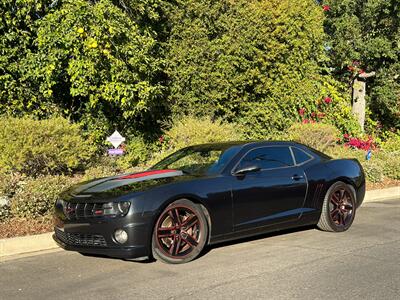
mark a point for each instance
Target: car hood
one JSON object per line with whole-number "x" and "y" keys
{"x": 122, "y": 184}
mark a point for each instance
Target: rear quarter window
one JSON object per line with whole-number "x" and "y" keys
{"x": 300, "y": 156}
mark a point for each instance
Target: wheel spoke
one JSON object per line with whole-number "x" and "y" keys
{"x": 334, "y": 212}
{"x": 341, "y": 218}
{"x": 178, "y": 245}
{"x": 342, "y": 194}
{"x": 174, "y": 214}
{"x": 172, "y": 246}
{"x": 163, "y": 232}
{"x": 190, "y": 241}
{"x": 334, "y": 199}
{"x": 190, "y": 222}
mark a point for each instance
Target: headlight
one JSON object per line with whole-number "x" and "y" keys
{"x": 113, "y": 209}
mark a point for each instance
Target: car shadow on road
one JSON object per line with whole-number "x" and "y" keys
{"x": 255, "y": 238}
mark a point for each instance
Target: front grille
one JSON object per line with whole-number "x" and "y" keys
{"x": 81, "y": 210}
{"x": 80, "y": 239}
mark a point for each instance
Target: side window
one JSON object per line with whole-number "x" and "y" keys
{"x": 300, "y": 156}
{"x": 268, "y": 158}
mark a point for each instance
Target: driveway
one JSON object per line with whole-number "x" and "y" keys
{"x": 362, "y": 263}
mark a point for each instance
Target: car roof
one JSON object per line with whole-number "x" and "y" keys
{"x": 247, "y": 143}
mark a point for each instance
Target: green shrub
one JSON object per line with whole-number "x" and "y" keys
{"x": 36, "y": 196}
{"x": 104, "y": 167}
{"x": 9, "y": 183}
{"x": 33, "y": 147}
{"x": 192, "y": 130}
{"x": 316, "y": 135}
{"x": 373, "y": 169}
{"x": 137, "y": 152}
{"x": 391, "y": 143}
{"x": 390, "y": 162}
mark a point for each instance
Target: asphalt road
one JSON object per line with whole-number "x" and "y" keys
{"x": 362, "y": 263}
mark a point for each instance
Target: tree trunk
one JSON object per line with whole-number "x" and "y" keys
{"x": 359, "y": 90}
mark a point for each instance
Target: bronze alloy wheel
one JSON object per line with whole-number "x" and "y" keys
{"x": 180, "y": 232}
{"x": 339, "y": 208}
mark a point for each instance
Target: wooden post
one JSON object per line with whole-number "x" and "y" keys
{"x": 359, "y": 89}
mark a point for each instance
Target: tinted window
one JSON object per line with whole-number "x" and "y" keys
{"x": 300, "y": 156}
{"x": 268, "y": 158}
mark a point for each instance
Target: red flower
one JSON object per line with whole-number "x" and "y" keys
{"x": 302, "y": 111}
{"x": 326, "y": 7}
{"x": 327, "y": 100}
{"x": 306, "y": 121}
{"x": 361, "y": 71}
{"x": 161, "y": 139}
{"x": 313, "y": 114}
{"x": 346, "y": 136}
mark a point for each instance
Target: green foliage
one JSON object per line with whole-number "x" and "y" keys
{"x": 190, "y": 130}
{"x": 254, "y": 62}
{"x": 392, "y": 143}
{"x": 137, "y": 153}
{"x": 34, "y": 147}
{"x": 88, "y": 60}
{"x": 36, "y": 196}
{"x": 367, "y": 33}
{"x": 316, "y": 135}
{"x": 18, "y": 31}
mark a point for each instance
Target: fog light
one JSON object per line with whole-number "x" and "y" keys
{"x": 121, "y": 236}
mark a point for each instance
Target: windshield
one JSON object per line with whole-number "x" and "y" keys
{"x": 206, "y": 159}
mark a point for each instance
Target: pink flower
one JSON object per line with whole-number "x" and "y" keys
{"x": 313, "y": 114}
{"x": 161, "y": 139}
{"x": 327, "y": 100}
{"x": 326, "y": 7}
{"x": 346, "y": 136}
{"x": 302, "y": 111}
{"x": 306, "y": 121}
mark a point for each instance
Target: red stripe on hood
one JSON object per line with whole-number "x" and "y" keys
{"x": 148, "y": 173}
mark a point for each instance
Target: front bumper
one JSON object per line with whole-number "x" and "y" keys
{"x": 96, "y": 236}
{"x": 118, "y": 252}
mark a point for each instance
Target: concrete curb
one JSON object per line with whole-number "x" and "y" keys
{"x": 26, "y": 244}
{"x": 379, "y": 195}
{"x": 36, "y": 244}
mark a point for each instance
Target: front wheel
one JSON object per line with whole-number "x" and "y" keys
{"x": 180, "y": 232}
{"x": 338, "y": 209}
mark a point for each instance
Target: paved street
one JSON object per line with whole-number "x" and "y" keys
{"x": 362, "y": 263}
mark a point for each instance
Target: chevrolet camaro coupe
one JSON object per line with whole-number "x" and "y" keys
{"x": 206, "y": 194}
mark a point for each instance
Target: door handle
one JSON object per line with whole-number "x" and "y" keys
{"x": 297, "y": 177}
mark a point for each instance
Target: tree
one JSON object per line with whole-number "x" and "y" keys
{"x": 94, "y": 61}
{"x": 364, "y": 36}
{"x": 255, "y": 61}
{"x": 18, "y": 93}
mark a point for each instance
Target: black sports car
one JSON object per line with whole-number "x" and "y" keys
{"x": 207, "y": 194}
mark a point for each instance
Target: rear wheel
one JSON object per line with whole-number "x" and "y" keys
{"x": 180, "y": 232}
{"x": 338, "y": 209}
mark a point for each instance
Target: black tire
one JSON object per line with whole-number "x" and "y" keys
{"x": 338, "y": 209}
{"x": 180, "y": 232}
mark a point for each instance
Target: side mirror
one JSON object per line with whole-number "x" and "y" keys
{"x": 247, "y": 169}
